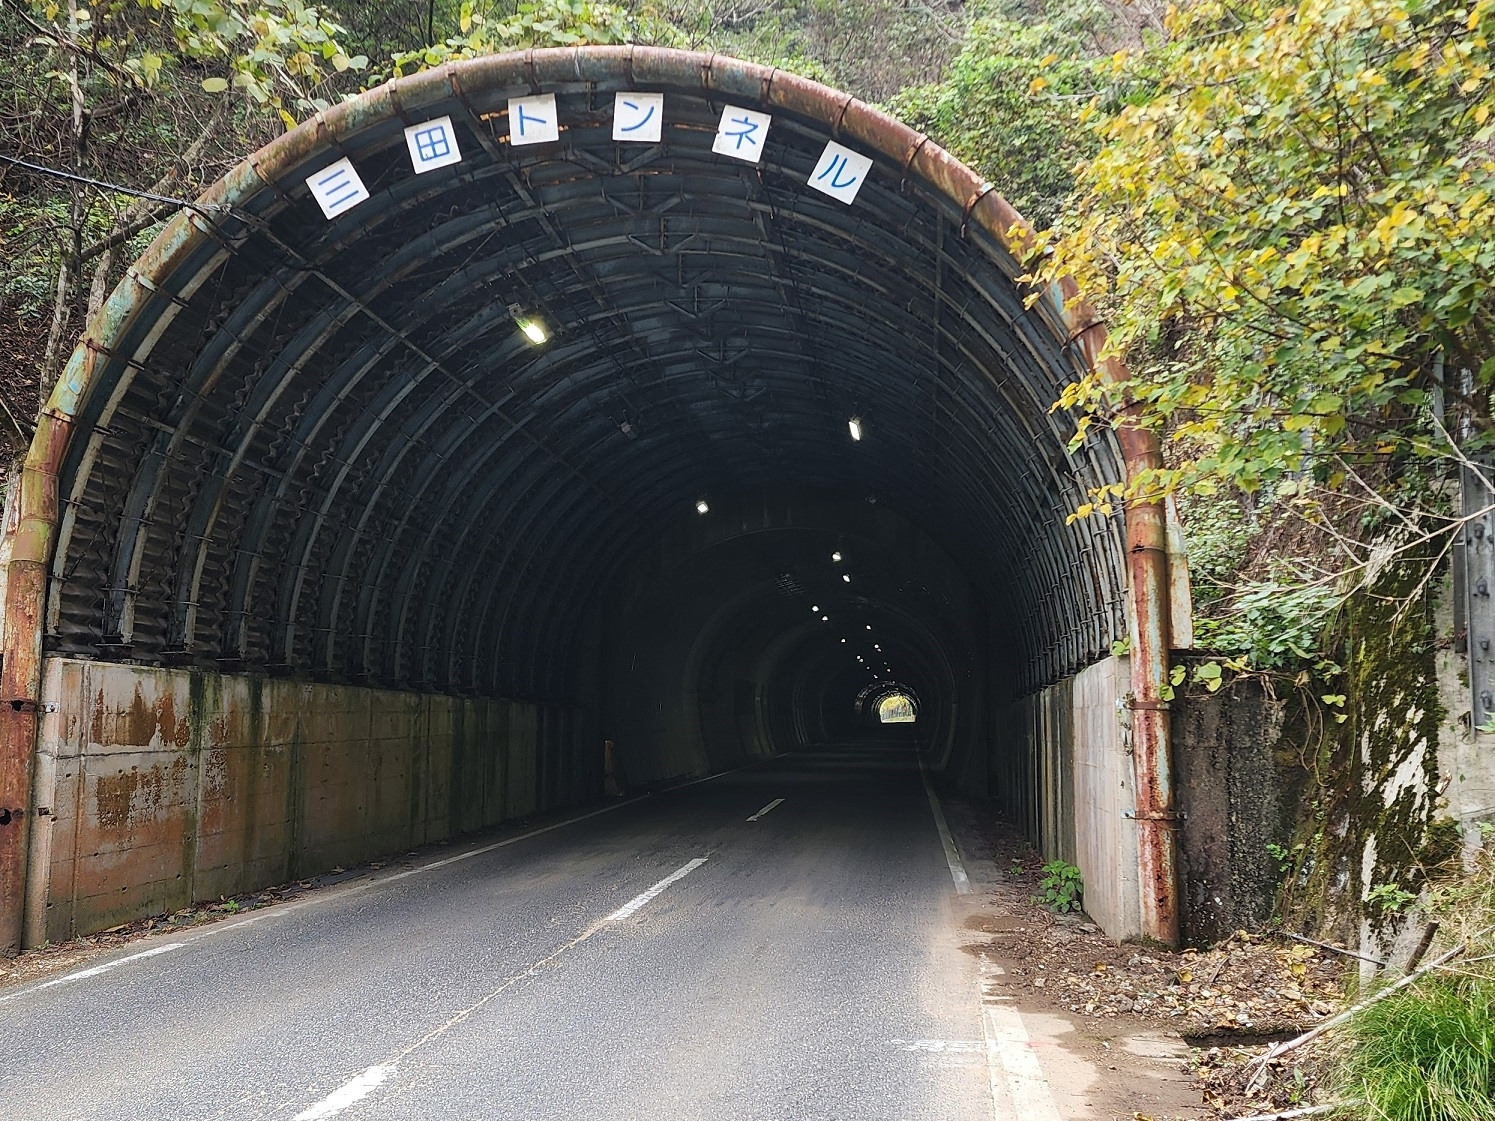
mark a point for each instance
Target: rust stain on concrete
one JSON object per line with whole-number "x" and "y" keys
{"x": 126, "y": 798}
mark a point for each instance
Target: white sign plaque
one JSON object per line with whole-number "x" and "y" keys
{"x": 741, "y": 134}
{"x": 533, "y": 120}
{"x": 432, "y": 144}
{"x": 840, "y": 172}
{"x": 337, "y": 188}
{"x": 638, "y": 117}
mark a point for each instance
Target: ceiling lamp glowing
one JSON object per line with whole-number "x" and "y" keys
{"x": 855, "y": 426}
{"x": 702, "y": 506}
{"x": 533, "y": 330}
{"x": 836, "y": 557}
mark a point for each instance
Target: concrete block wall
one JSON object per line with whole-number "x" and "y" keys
{"x": 1062, "y": 771}
{"x": 157, "y": 787}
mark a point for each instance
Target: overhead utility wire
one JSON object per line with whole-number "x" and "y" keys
{"x": 58, "y": 173}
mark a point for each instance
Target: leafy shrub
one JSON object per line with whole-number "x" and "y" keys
{"x": 1061, "y": 888}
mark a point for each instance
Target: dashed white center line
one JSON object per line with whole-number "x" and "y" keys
{"x": 644, "y": 896}
{"x": 345, "y": 1095}
{"x": 767, "y": 808}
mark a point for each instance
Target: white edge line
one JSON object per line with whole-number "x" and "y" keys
{"x": 644, "y": 896}
{"x": 354, "y": 1090}
{"x": 362, "y": 884}
{"x": 93, "y": 970}
{"x": 765, "y": 809}
{"x": 952, "y": 854}
{"x": 1009, "y": 1050}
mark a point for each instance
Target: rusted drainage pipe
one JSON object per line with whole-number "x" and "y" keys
{"x": 1152, "y": 732}
{"x": 20, "y": 673}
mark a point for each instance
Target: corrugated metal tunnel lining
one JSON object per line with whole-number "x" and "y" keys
{"x": 323, "y": 447}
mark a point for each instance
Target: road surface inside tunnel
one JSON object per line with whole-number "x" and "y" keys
{"x": 799, "y": 965}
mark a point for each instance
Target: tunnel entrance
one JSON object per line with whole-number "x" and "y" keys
{"x": 398, "y": 476}
{"x": 897, "y": 708}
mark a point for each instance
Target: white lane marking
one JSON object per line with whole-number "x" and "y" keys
{"x": 952, "y": 854}
{"x": 354, "y": 1090}
{"x": 470, "y": 853}
{"x": 644, "y": 896}
{"x": 942, "y": 1046}
{"x": 1010, "y": 1057}
{"x": 1019, "y": 1090}
{"x": 94, "y": 970}
{"x": 765, "y": 809}
{"x": 331, "y": 894}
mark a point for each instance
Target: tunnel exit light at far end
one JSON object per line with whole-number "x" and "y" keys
{"x": 855, "y": 425}
{"x": 535, "y": 332}
{"x": 702, "y": 506}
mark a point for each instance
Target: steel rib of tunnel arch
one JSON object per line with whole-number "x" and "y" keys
{"x": 236, "y": 221}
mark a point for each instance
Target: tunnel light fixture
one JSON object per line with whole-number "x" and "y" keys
{"x": 876, "y": 647}
{"x": 855, "y": 427}
{"x": 846, "y": 576}
{"x": 814, "y": 607}
{"x": 702, "y": 506}
{"x": 825, "y": 618}
{"x": 836, "y": 556}
{"x": 843, "y": 640}
{"x": 532, "y": 327}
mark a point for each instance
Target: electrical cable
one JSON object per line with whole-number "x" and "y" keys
{"x": 72, "y": 177}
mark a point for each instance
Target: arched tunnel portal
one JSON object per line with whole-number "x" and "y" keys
{"x": 345, "y": 533}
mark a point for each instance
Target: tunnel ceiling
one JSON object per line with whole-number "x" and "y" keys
{"x": 323, "y": 446}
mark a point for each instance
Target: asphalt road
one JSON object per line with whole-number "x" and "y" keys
{"x": 805, "y": 970}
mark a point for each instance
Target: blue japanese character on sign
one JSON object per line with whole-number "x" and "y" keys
{"x": 840, "y": 172}
{"x": 432, "y": 144}
{"x": 337, "y": 188}
{"x": 533, "y": 120}
{"x": 741, "y": 134}
{"x": 638, "y": 116}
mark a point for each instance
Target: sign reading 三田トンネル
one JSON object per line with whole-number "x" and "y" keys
{"x": 840, "y": 172}
{"x": 432, "y": 144}
{"x": 741, "y": 134}
{"x": 638, "y": 116}
{"x": 337, "y": 188}
{"x": 533, "y": 120}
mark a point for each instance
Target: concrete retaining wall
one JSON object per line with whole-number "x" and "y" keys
{"x": 1063, "y": 772}
{"x": 160, "y": 787}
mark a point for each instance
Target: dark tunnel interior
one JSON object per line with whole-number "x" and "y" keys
{"x": 327, "y": 449}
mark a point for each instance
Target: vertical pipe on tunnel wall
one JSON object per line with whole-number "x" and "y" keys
{"x": 1152, "y": 747}
{"x": 20, "y": 672}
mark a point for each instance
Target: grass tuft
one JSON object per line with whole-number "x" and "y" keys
{"x": 1428, "y": 1053}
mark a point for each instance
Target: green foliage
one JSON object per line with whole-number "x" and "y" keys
{"x": 277, "y": 52}
{"x": 1061, "y": 888}
{"x": 485, "y": 30}
{"x": 1010, "y": 107}
{"x": 1273, "y": 623}
{"x": 1284, "y": 856}
{"x": 1427, "y": 1053}
{"x": 1286, "y": 229}
{"x": 1389, "y": 897}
